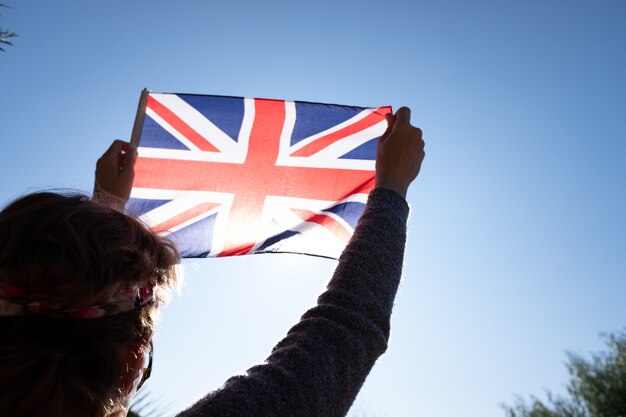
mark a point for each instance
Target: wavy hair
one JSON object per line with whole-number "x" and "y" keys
{"x": 75, "y": 252}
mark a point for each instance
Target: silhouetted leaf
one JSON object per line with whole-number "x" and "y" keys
{"x": 5, "y": 34}
{"x": 144, "y": 405}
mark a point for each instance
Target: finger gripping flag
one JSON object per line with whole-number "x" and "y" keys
{"x": 224, "y": 176}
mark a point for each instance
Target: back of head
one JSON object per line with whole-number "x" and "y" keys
{"x": 70, "y": 251}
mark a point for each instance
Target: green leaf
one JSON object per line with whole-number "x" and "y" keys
{"x": 597, "y": 386}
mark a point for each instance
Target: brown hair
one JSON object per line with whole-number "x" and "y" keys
{"x": 74, "y": 252}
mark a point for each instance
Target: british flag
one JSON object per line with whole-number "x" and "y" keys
{"x": 223, "y": 176}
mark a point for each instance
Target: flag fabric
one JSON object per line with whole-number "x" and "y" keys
{"x": 223, "y": 176}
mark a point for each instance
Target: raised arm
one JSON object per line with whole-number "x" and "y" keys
{"x": 319, "y": 367}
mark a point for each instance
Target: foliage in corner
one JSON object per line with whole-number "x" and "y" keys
{"x": 5, "y": 34}
{"x": 597, "y": 387}
{"x": 143, "y": 405}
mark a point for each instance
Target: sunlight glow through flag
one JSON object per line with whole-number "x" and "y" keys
{"x": 224, "y": 176}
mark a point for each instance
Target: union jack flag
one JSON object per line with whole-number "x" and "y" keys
{"x": 223, "y": 176}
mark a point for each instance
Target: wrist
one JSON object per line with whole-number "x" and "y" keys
{"x": 107, "y": 199}
{"x": 397, "y": 186}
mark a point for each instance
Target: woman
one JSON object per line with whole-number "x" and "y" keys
{"x": 80, "y": 283}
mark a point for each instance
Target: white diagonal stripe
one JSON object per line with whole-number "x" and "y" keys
{"x": 161, "y": 122}
{"x": 182, "y": 201}
{"x": 350, "y": 121}
{"x": 347, "y": 144}
{"x": 197, "y": 122}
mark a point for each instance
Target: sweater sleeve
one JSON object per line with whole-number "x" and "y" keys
{"x": 319, "y": 367}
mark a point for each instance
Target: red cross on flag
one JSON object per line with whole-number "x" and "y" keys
{"x": 223, "y": 176}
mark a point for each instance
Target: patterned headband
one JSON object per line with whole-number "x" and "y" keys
{"x": 16, "y": 302}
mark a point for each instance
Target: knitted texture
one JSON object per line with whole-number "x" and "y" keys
{"x": 320, "y": 366}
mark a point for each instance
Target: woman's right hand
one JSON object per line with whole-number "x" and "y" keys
{"x": 400, "y": 152}
{"x": 115, "y": 172}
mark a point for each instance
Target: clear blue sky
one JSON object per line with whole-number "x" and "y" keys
{"x": 517, "y": 240}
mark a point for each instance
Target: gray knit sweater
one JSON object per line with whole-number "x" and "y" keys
{"x": 319, "y": 367}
